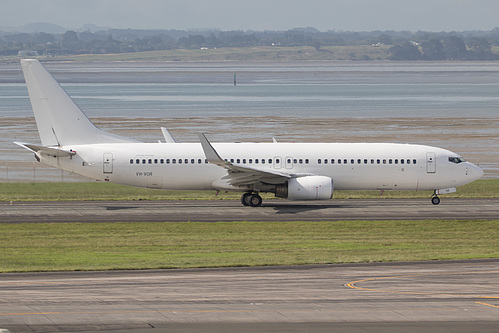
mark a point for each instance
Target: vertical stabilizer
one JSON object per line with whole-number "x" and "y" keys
{"x": 59, "y": 120}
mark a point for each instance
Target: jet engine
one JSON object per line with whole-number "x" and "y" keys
{"x": 306, "y": 188}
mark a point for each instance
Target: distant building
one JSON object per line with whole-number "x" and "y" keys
{"x": 28, "y": 53}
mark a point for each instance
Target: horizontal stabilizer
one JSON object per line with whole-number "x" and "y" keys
{"x": 55, "y": 152}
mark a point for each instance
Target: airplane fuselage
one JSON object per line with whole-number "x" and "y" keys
{"x": 352, "y": 166}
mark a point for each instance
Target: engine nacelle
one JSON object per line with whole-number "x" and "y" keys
{"x": 306, "y": 188}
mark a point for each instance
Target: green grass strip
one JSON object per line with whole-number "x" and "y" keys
{"x": 105, "y": 191}
{"x": 107, "y": 246}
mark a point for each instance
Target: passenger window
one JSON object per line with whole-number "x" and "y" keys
{"x": 345, "y": 161}
{"x": 402, "y": 161}
{"x": 295, "y": 161}
{"x": 414, "y": 161}
{"x": 238, "y": 161}
{"x": 325, "y": 161}
{"x": 378, "y": 161}
{"x": 231, "y": 160}
{"x": 332, "y": 161}
{"x": 199, "y": 161}
{"x": 396, "y": 161}
{"x": 162, "y": 161}
{"x": 131, "y": 161}
{"x": 137, "y": 161}
{"x": 244, "y": 161}
{"x": 256, "y": 160}
{"x": 174, "y": 161}
{"x": 365, "y": 161}
{"x": 270, "y": 161}
{"x": 167, "y": 161}
{"x": 372, "y": 161}
{"x": 306, "y": 161}
{"x": 250, "y": 161}
{"x": 263, "y": 161}
{"x": 339, "y": 160}
{"x": 179, "y": 161}
{"x": 352, "y": 161}
{"x": 155, "y": 161}
{"x": 301, "y": 161}
{"x": 358, "y": 161}
{"x": 192, "y": 161}
{"x": 143, "y": 161}
{"x": 186, "y": 161}
{"x": 384, "y": 161}
{"x": 408, "y": 161}
{"x": 390, "y": 161}
{"x": 319, "y": 161}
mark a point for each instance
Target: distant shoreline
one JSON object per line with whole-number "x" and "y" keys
{"x": 240, "y": 54}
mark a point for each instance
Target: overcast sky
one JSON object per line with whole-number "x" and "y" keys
{"x": 346, "y": 15}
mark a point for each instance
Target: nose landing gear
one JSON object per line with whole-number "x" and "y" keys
{"x": 251, "y": 199}
{"x": 434, "y": 198}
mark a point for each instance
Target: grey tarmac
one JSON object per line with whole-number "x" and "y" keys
{"x": 457, "y": 296}
{"x": 232, "y": 210}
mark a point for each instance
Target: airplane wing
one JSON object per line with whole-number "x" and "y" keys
{"x": 238, "y": 175}
{"x": 56, "y": 152}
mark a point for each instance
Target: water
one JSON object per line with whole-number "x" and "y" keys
{"x": 320, "y": 90}
{"x": 296, "y": 101}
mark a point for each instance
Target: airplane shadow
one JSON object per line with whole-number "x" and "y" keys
{"x": 287, "y": 208}
{"x": 120, "y": 207}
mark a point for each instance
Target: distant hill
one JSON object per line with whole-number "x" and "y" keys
{"x": 36, "y": 27}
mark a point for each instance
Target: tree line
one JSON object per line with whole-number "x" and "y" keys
{"x": 474, "y": 45}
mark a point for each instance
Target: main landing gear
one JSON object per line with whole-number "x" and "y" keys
{"x": 251, "y": 199}
{"x": 435, "y": 199}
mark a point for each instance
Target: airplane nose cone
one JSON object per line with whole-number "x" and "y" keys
{"x": 476, "y": 172}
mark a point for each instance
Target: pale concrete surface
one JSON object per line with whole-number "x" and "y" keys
{"x": 232, "y": 210}
{"x": 458, "y": 296}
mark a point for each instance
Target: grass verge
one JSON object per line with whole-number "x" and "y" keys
{"x": 107, "y": 246}
{"x": 105, "y": 191}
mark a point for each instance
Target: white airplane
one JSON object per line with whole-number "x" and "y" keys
{"x": 296, "y": 171}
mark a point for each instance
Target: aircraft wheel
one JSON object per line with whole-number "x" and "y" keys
{"x": 245, "y": 199}
{"x": 255, "y": 200}
{"x": 435, "y": 200}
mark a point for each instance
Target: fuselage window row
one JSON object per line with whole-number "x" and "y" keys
{"x": 168, "y": 161}
{"x": 277, "y": 161}
{"x": 366, "y": 161}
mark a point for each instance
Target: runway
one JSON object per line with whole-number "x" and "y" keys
{"x": 232, "y": 210}
{"x": 458, "y": 296}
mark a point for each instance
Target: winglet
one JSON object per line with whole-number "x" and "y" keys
{"x": 168, "y": 137}
{"x": 210, "y": 152}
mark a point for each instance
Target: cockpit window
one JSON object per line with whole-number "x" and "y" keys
{"x": 456, "y": 159}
